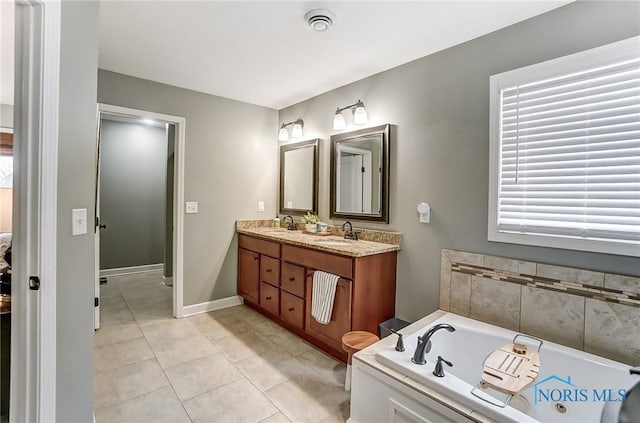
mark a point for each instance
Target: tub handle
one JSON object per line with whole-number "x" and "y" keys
{"x": 478, "y": 392}
{"x": 520, "y": 335}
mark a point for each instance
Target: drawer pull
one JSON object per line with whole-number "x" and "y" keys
{"x": 292, "y": 279}
{"x": 269, "y": 297}
{"x": 268, "y": 270}
{"x": 291, "y": 309}
{"x": 255, "y": 258}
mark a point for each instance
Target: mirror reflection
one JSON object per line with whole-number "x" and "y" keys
{"x": 299, "y": 177}
{"x": 359, "y": 174}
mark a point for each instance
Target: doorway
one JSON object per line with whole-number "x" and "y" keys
{"x": 138, "y": 198}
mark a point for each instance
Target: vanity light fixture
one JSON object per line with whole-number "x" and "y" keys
{"x": 296, "y": 131}
{"x": 359, "y": 115}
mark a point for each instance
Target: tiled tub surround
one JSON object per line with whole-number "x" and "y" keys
{"x": 369, "y": 242}
{"x": 592, "y": 311}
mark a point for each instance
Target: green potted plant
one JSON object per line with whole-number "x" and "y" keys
{"x": 310, "y": 221}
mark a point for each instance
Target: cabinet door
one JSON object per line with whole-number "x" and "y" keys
{"x": 270, "y": 298}
{"x": 270, "y": 270}
{"x": 248, "y": 275}
{"x": 340, "y": 323}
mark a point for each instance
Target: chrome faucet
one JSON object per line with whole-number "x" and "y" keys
{"x": 424, "y": 342}
{"x": 291, "y": 226}
{"x": 349, "y": 234}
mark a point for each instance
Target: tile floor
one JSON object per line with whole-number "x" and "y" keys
{"x": 231, "y": 365}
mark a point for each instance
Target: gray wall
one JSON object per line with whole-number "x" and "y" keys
{"x": 440, "y": 144}
{"x": 231, "y": 153}
{"x": 133, "y": 172}
{"x": 76, "y": 184}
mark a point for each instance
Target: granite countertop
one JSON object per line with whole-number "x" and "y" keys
{"x": 368, "y": 357}
{"x": 331, "y": 243}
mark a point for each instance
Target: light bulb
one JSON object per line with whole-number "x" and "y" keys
{"x": 360, "y": 115}
{"x": 338, "y": 121}
{"x": 283, "y": 135}
{"x": 296, "y": 131}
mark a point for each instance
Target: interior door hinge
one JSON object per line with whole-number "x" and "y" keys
{"x": 34, "y": 283}
{"x": 96, "y": 302}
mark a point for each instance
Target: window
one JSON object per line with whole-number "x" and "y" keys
{"x": 565, "y": 152}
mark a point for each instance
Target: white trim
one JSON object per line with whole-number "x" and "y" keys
{"x": 178, "y": 194}
{"x": 190, "y": 310}
{"x": 48, "y": 210}
{"x": 117, "y": 271}
{"x": 33, "y": 363}
{"x": 6, "y": 130}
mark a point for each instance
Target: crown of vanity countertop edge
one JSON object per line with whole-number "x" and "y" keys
{"x": 359, "y": 248}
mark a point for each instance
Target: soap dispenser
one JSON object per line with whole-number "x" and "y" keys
{"x": 276, "y": 222}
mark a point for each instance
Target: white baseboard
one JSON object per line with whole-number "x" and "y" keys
{"x": 190, "y": 310}
{"x": 117, "y": 271}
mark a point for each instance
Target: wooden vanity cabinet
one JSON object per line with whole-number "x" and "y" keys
{"x": 277, "y": 280}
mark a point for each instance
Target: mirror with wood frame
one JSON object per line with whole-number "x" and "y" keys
{"x": 360, "y": 174}
{"x": 299, "y": 177}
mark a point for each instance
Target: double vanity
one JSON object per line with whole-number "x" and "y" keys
{"x": 275, "y": 274}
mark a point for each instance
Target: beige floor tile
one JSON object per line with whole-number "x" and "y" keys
{"x": 161, "y": 405}
{"x": 112, "y": 356}
{"x": 308, "y": 398}
{"x": 271, "y": 368}
{"x": 169, "y": 329}
{"x": 126, "y": 382}
{"x": 238, "y": 401}
{"x": 291, "y": 343}
{"x": 214, "y": 330}
{"x": 324, "y": 365}
{"x": 339, "y": 416}
{"x": 109, "y": 290}
{"x": 116, "y": 333}
{"x": 242, "y": 345}
{"x": 149, "y": 310}
{"x": 171, "y": 352}
{"x": 201, "y": 375}
{"x": 276, "y": 418}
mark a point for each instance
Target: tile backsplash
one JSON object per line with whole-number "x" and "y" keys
{"x": 592, "y": 311}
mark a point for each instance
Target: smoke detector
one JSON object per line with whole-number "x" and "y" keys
{"x": 319, "y": 20}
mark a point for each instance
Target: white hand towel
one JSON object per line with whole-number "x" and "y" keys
{"x": 323, "y": 295}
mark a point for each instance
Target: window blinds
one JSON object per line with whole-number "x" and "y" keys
{"x": 569, "y": 155}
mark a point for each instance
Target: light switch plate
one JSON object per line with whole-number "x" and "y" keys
{"x": 78, "y": 221}
{"x": 191, "y": 207}
{"x": 260, "y": 206}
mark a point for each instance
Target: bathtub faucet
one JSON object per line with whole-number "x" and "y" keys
{"x": 424, "y": 342}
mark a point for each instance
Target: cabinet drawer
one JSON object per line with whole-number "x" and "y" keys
{"x": 269, "y": 298}
{"x": 293, "y": 279}
{"x": 318, "y": 260}
{"x": 292, "y": 309}
{"x": 269, "y": 270}
{"x": 259, "y": 245}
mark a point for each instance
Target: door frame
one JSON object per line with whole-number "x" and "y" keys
{"x": 178, "y": 191}
{"x": 36, "y": 102}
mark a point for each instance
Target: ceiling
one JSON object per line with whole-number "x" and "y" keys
{"x": 263, "y": 52}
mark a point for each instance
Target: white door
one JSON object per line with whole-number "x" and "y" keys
{"x": 97, "y": 226}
